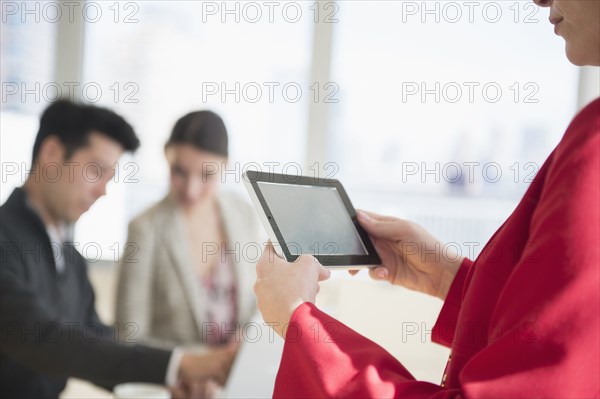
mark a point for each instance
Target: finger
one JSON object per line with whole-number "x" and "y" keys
{"x": 182, "y": 390}
{"x": 270, "y": 254}
{"x": 379, "y": 273}
{"x": 233, "y": 347}
{"x": 177, "y": 392}
{"x": 221, "y": 378}
{"x": 227, "y": 352}
{"x": 265, "y": 260}
{"x": 324, "y": 273}
{"x": 382, "y": 248}
{"x": 353, "y": 272}
{"x": 384, "y": 229}
{"x": 197, "y": 389}
{"x": 269, "y": 249}
{"x": 376, "y": 216}
{"x": 212, "y": 389}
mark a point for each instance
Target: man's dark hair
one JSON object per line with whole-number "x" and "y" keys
{"x": 203, "y": 130}
{"x": 72, "y": 123}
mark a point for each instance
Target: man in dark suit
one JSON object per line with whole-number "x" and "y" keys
{"x": 49, "y": 328}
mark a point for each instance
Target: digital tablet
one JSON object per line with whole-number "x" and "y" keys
{"x": 314, "y": 216}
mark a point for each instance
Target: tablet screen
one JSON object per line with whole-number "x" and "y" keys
{"x": 312, "y": 219}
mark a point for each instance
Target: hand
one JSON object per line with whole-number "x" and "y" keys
{"x": 411, "y": 257}
{"x": 186, "y": 391}
{"x": 281, "y": 286}
{"x": 194, "y": 389}
{"x": 215, "y": 365}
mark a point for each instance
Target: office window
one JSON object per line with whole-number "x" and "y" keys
{"x": 161, "y": 60}
{"x": 446, "y": 108}
{"x": 26, "y": 71}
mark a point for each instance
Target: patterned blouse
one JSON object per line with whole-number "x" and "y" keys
{"x": 220, "y": 298}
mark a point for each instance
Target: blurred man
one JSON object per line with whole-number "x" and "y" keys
{"x": 49, "y": 326}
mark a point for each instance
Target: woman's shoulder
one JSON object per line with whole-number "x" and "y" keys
{"x": 591, "y": 111}
{"x": 236, "y": 207}
{"x": 575, "y": 163}
{"x": 584, "y": 129}
{"x": 156, "y": 214}
{"x": 234, "y": 201}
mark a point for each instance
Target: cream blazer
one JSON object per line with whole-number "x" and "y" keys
{"x": 158, "y": 290}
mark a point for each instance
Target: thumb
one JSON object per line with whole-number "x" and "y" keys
{"x": 268, "y": 252}
{"x": 324, "y": 273}
{"x": 383, "y": 229}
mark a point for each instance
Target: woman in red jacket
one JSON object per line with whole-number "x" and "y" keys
{"x": 522, "y": 320}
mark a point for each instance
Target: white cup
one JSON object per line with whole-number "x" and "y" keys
{"x": 139, "y": 390}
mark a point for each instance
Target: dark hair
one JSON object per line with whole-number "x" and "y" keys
{"x": 72, "y": 123}
{"x": 204, "y": 130}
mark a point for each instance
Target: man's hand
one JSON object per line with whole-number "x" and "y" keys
{"x": 195, "y": 390}
{"x": 198, "y": 373}
{"x": 189, "y": 390}
{"x": 281, "y": 286}
{"x": 411, "y": 257}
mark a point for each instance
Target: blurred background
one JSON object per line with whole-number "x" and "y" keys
{"x": 440, "y": 112}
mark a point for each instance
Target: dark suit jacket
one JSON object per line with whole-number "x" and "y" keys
{"x": 49, "y": 329}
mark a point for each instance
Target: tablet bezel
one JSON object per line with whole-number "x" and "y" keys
{"x": 252, "y": 178}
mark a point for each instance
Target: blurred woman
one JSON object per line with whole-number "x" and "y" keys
{"x": 185, "y": 279}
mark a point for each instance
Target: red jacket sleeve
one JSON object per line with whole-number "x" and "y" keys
{"x": 445, "y": 326}
{"x": 323, "y": 358}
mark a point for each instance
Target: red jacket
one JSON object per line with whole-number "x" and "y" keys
{"x": 523, "y": 320}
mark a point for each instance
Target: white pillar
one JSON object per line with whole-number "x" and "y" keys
{"x": 318, "y": 112}
{"x": 589, "y": 86}
{"x": 69, "y": 52}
